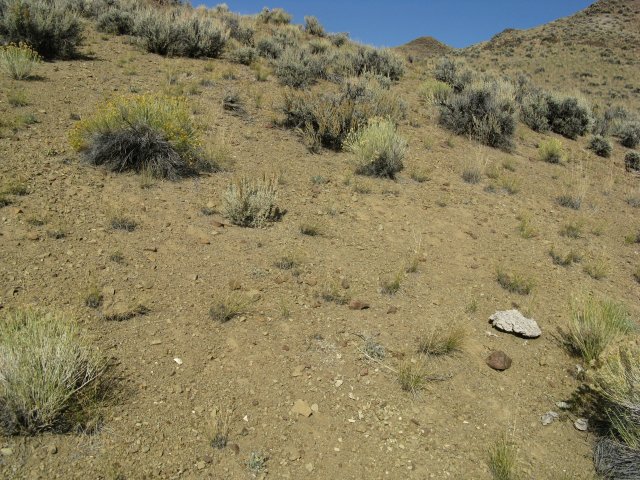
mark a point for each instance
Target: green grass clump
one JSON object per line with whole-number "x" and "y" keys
{"x": 594, "y": 325}
{"x": 18, "y": 61}
{"x": 228, "y": 307}
{"x": 502, "y": 460}
{"x": 600, "y": 146}
{"x": 551, "y": 151}
{"x": 251, "y": 203}
{"x": 564, "y": 260}
{"x": 412, "y": 377}
{"x": 443, "y": 340}
{"x": 391, "y": 286}
{"x": 50, "y": 378}
{"x": 152, "y": 133}
{"x": 514, "y": 282}
{"x": 377, "y": 148}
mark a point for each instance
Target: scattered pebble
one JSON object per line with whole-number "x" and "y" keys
{"x": 358, "y": 305}
{"x": 563, "y": 405}
{"x": 300, "y": 407}
{"x": 178, "y": 361}
{"x": 581, "y": 424}
{"x": 548, "y": 418}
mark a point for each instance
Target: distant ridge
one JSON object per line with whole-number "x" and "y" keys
{"x": 425, "y": 47}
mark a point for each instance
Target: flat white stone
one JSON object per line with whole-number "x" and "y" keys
{"x": 512, "y": 321}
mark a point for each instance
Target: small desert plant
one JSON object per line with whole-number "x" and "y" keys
{"x": 629, "y": 134}
{"x": 597, "y": 268}
{"x": 257, "y": 462}
{"x": 121, "y": 222}
{"x": 453, "y": 74}
{"x": 232, "y": 102}
{"x": 93, "y": 298}
{"x": 228, "y": 307}
{"x": 372, "y": 349}
{"x": 313, "y": 26}
{"x": 50, "y": 378}
{"x": 595, "y": 324}
{"x": 218, "y": 427}
{"x": 251, "y": 203}
{"x": 485, "y": 111}
{"x": 551, "y": 151}
{"x": 632, "y": 162}
{"x": 600, "y": 146}
{"x": 443, "y": 340}
{"x": 116, "y": 22}
{"x": 151, "y": 133}
{"x": 412, "y": 377}
{"x": 502, "y": 460}
{"x": 569, "y": 200}
{"x": 572, "y": 230}
{"x": 17, "y": 98}
{"x": 18, "y": 60}
{"x": 526, "y": 229}
{"x": 514, "y": 282}
{"x": 564, "y": 260}
{"x": 434, "y": 92}
{"x": 391, "y": 286}
{"x": 534, "y": 109}
{"x": 269, "y": 48}
{"x": 310, "y": 229}
{"x": 286, "y": 262}
{"x": 51, "y": 28}
{"x": 334, "y": 293}
{"x": 377, "y": 148}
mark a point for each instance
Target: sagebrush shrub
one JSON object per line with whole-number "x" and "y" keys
{"x": 534, "y": 110}
{"x": 141, "y": 133}
{"x": 269, "y": 48}
{"x": 116, "y": 22}
{"x": 243, "y": 55}
{"x": 453, "y": 74}
{"x": 376, "y": 61}
{"x": 551, "y": 151}
{"x": 569, "y": 116}
{"x": 485, "y": 111}
{"x": 48, "y": 376}
{"x": 629, "y": 134}
{"x": 434, "y": 91}
{"x": 250, "y": 203}
{"x": 600, "y": 146}
{"x": 378, "y": 149}
{"x": 276, "y": 16}
{"x": 49, "y": 27}
{"x": 331, "y": 115}
{"x": 180, "y": 33}
{"x": 297, "y": 68}
{"x": 632, "y": 162}
{"x": 313, "y": 26}
{"x": 18, "y": 60}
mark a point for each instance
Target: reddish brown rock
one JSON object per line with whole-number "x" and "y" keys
{"x": 358, "y": 305}
{"x": 499, "y": 360}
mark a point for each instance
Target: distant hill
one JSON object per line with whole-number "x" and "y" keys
{"x": 425, "y": 47}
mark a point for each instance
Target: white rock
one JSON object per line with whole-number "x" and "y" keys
{"x": 512, "y": 321}
{"x": 581, "y": 424}
{"x": 178, "y": 360}
{"x": 548, "y": 418}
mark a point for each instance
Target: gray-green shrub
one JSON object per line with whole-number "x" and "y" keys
{"x": 632, "y": 162}
{"x": 630, "y": 134}
{"x": 377, "y": 148}
{"x": 600, "y": 146}
{"x": 569, "y": 116}
{"x": 116, "y": 22}
{"x": 243, "y": 55}
{"x": 51, "y": 28}
{"x": 485, "y": 111}
{"x": 298, "y": 68}
{"x": 269, "y": 48}
{"x": 313, "y": 26}
{"x": 276, "y": 16}
{"x": 376, "y": 61}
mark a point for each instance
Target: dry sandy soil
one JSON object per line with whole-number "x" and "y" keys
{"x": 175, "y": 366}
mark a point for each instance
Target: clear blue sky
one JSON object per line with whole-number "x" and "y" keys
{"x": 388, "y": 23}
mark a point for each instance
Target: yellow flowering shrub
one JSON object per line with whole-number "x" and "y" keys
{"x": 18, "y": 60}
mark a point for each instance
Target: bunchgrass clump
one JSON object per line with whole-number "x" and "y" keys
{"x": 310, "y": 229}
{"x": 257, "y": 462}
{"x": 18, "y": 61}
{"x": 251, "y": 203}
{"x": 218, "y": 427}
{"x": 228, "y": 307}
{"x": 152, "y": 133}
{"x": 443, "y": 340}
{"x": 514, "y": 282}
{"x": 412, "y": 377}
{"x": 502, "y": 460}
{"x": 332, "y": 292}
{"x": 50, "y": 379}
{"x": 121, "y": 222}
{"x": 93, "y": 298}
{"x": 526, "y": 228}
{"x": 597, "y": 268}
{"x": 632, "y": 162}
{"x": 595, "y": 324}
{"x": 377, "y": 148}
{"x": 572, "y": 230}
{"x": 551, "y": 151}
{"x": 391, "y": 286}
{"x": 564, "y": 260}
{"x": 569, "y": 200}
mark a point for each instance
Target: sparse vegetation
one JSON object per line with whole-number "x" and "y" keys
{"x": 227, "y": 307}
{"x": 630, "y": 134}
{"x": 391, "y": 286}
{"x": 377, "y": 148}
{"x": 443, "y": 340}
{"x": 412, "y": 377}
{"x": 514, "y": 282}
{"x": 121, "y": 222}
{"x": 597, "y": 268}
{"x": 502, "y": 460}
{"x": 564, "y": 260}
{"x": 50, "y": 379}
{"x": 595, "y": 324}
{"x": 632, "y": 162}
{"x": 251, "y": 203}
{"x": 257, "y": 462}
{"x": 93, "y": 298}
{"x": 551, "y": 151}
{"x": 218, "y": 427}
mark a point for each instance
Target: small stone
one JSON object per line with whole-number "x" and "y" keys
{"x": 254, "y": 295}
{"x": 309, "y": 467}
{"x": 178, "y": 360}
{"x": 150, "y": 248}
{"x": 297, "y": 371}
{"x": 499, "y": 360}
{"x": 236, "y": 448}
{"x": 200, "y": 465}
{"x": 512, "y": 321}
{"x": 6, "y": 451}
{"x": 315, "y": 407}
{"x": 235, "y": 285}
{"x": 364, "y": 372}
{"x": 33, "y": 236}
{"x": 392, "y": 309}
{"x": 563, "y": 405}
{"x": 312, "y": 282}
{"x": 581, "y": 424}
{"x": 358, "y": 305}
{"x": 345, "y": 283}
{"x": 300, "y": 407}
{"x": 548, "y": 418}
{"x": 156, "y": 342}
